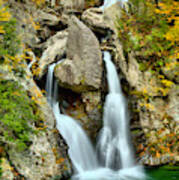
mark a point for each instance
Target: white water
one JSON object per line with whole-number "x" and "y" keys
{"x": 115, "y": 158}
{"x": 108, "y": 3}
{"x": 80, "y": 151}
{"x": 114, "y": 136}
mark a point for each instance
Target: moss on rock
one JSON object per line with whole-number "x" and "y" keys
{"x": 16, "y": 114}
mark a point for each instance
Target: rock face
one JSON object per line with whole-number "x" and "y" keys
{"x": 82, "y": 70}
{"x": 54, "y": 49}
{"x": 94, "y": 19}
{"x": 82, "y": 73}
{"x": 156, "y": 114}
{"x": 41, "y": 159}
{"x": 73, "y": 4}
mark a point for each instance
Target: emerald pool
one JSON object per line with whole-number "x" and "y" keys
{"x": 163, "y": 173}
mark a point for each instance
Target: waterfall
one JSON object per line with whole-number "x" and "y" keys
{"x": 114, "y": 137}
{"x": 80, "y": 151}
{"x": 115, "y": 158}
{"x": 108, "y": 3}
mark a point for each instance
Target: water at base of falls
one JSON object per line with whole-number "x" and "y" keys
{"x": 113, "y": 158}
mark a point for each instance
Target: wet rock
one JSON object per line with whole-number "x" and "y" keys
{"x": 93, "y": 106}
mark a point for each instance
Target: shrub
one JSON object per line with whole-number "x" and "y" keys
{"x": 152, "y": 31}
{"x": 9, "y": 42}
{"x": 16, "y": 114}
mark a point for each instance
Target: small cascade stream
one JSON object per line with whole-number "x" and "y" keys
{"x": 113, "y": 158}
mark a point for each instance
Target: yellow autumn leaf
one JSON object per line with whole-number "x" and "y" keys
{"x": 2, "y": 30}
{"x": 167, "y": 83}
{"x": 60, "y": 160}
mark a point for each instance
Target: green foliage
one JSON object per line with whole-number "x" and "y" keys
{"x": 149, "y": 31}
{"x": 9, "y": 43}
{"x": 0, "y": 168}
{"x": 16, "y": 113}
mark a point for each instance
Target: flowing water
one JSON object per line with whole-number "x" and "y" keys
{"x": 81, "y": 151}
{"x": 113, "y": 158}
{"x": 114, "y": 136}
{"x": 108, "y": 3}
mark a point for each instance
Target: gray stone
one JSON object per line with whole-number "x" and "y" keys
{"x": 94, "y": 18}
{"x": 73, "y": 4}
{"x": 82, "y": 70}
{"x": 54, "y": 48}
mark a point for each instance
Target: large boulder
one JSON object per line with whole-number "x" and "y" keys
{"x": 73, "y": 4}
{"x": 82, "y": 70}
{"x": 102, "y": 19}
{"x": 54, "y": 49}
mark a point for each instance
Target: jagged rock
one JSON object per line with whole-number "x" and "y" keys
{"x": 94, "y": 18}
{"x": 54, "y": 49}
{"x": 32, "y": 21}
{"x": 93, "y": 106}
{"x": 102, "y": 20}
{"x": 44, "y": 18}
{"x": 82, "y": 70}
{"x": 25, "y": 23}
{"x": 73, "y": 4}
{"x": 38, "y": 162}
{"x": 173, "y": 106}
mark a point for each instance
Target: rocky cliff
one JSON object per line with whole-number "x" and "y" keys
{"x": 77, "y": 32}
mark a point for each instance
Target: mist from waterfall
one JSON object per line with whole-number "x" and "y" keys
{"x": 113, "y": 158}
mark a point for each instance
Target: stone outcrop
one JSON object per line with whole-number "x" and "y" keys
{"x": 82, "y": 70}
{"x": 54, "y": 49}
{"x": 94, "y": 18}
{"x": 73, "y": 4}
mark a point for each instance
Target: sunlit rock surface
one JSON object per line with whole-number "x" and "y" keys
{"x": 82, "y": 70}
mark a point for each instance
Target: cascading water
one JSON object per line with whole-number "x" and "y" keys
{"x": 81, "y": 151}
{"x": 108, "y": 3}
{"x": 114, "y": 136}
{"x": 115, "y": 159}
